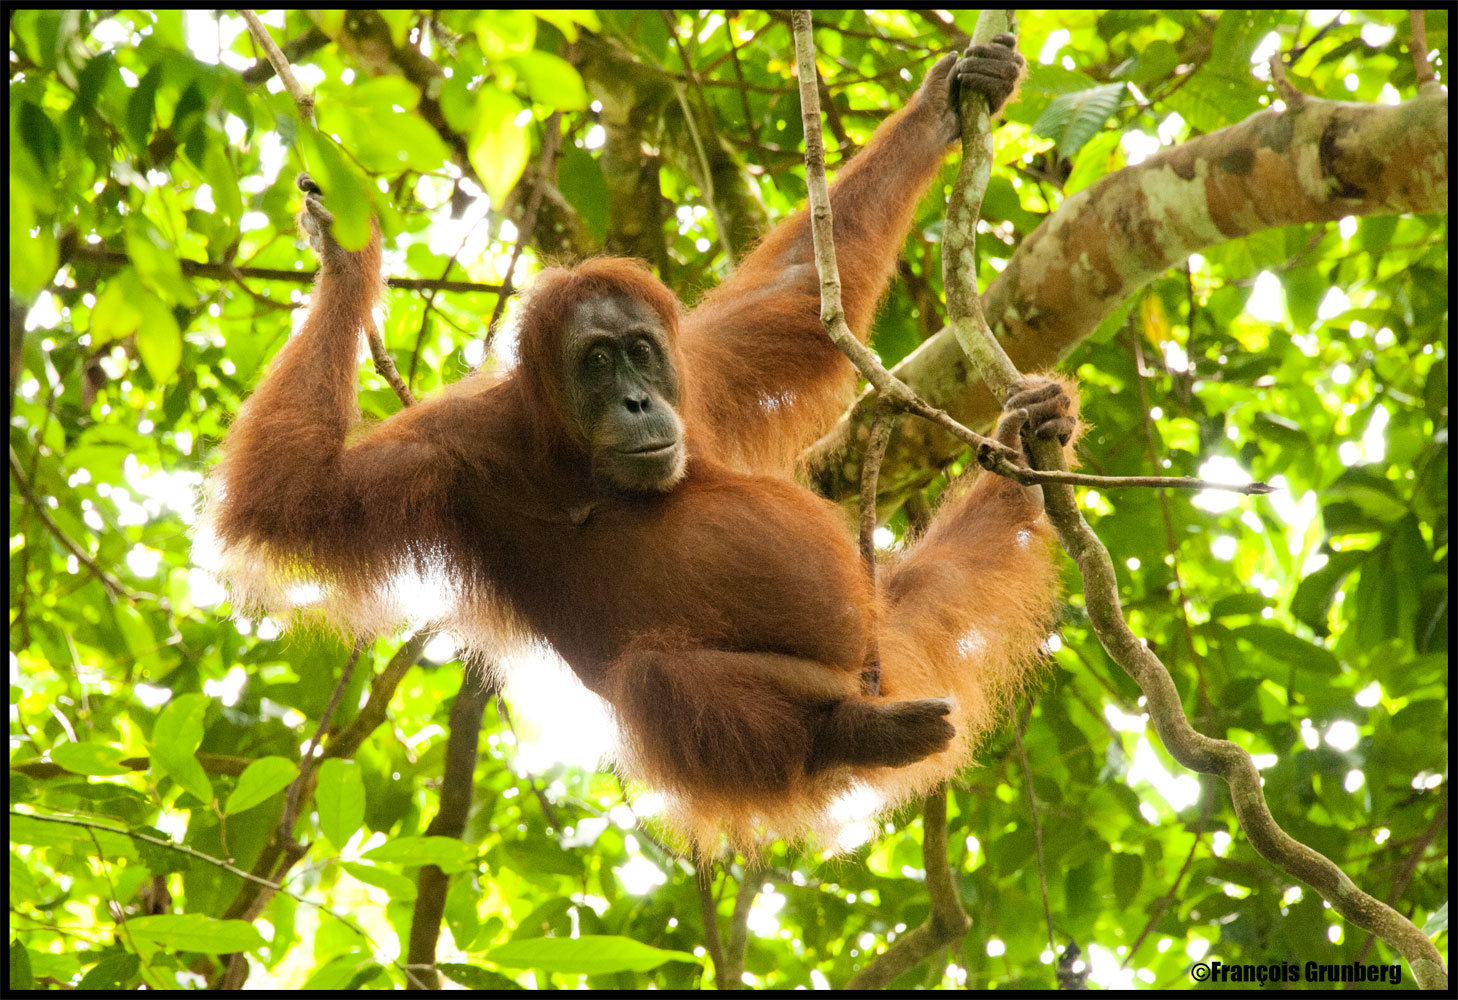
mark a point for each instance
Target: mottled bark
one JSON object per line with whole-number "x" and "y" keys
{"x": 1317, "y": 163}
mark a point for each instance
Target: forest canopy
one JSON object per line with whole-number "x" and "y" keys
{"x": 1228, "y": 329}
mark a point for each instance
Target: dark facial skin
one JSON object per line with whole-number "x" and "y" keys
{"x": 623, "y": 391}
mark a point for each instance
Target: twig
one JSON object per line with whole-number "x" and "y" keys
{"x": 1415, "y": 851}
{"x": 1037, "y": 825}
{"x": 959, "y": 231}
{"x": 1299, "y": 50}
{"x": 429, "y": 306}
{"x": 226, "y": 272}
{"x": 1418, "y": 48}
{"x": 749, "y": 121}
{"x": 259, "y": 297}
{"x": 195, "y": 854}
{"x": 283, "y": 846}
{"x": 382, "y": 689}
{"x": 456, "y": 787}
{"x": 910, "y": 44}
{"x": 1289, "y": 94}
{"x": 709, "y": 914}
{"x": 280, "y": 63}
{"x": 706, "y": 183}
{"x": 295, "y": 48}
{"x": 385, "y": 365}
{"x": 113, "y": 586}
{"x": 1207, "y": 807}
{"x": 946, "y": 922}
{"x": 749, "y": 885}
{"x": 891, "y": 390}
{"x": 1171, "y": 544}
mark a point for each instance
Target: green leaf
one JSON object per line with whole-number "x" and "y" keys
{"x": 89, "y": 758}
{"x": 1238, "y": 604}
{"x": 20, "y": 975}
{"x": 342, "y": 973}
{"x": 33, "y": 252}
{"x": 194, "y": 932}
{"x": 591, "y": 955}
{"x": 566, "y": 21}
{"x": 581, "y": 181}
{"x": 1100, "y": 157}
{"x": 474, "y": 977}
{"x": 1282, "y": 645}
{"x": 227, "y": 196}
{"x": 138, "y": 121}
{"x": 118, "y": 311}
{"x": 23, "y": 887}
{"x": 1284, "y": 432}
{"x": 1128, "y": 875}
{"x": 1156, "y": 61}
{"x": 1437, "y": 922}
{"x": 38, "y": 134}
{"x": 505, "y": 32}
{"x": 1072, "y": 119}
{"x": 340, "y": 796}
{"x": 551, "y": 80}
{"x": 176, "y": 738}
{"x": 117, "y": 970}
{"x": 180, "y": 726}
{"x": 1374, "y": 495}
{"x": 498, "y": 146}
{"x": 85, "y": 840}
{"x": 159, "y": 341}
{"x": 185, "y": 770}
{"x": 1314, "y": 594}
{"x": 134, "y": 628}
{"x": 450, "y": 854}
{"x": 400, "y": 888}
{"x": 259, "y": 782}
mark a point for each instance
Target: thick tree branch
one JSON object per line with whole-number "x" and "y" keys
{"x": 1319, "y": 163}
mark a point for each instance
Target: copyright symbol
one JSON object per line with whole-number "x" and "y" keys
{"x": 1200, "y": 972}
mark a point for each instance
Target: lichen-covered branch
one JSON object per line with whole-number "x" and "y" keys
{"x": 1317, "y": 163}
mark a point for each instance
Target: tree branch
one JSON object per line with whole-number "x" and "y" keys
{"x": 1109, "y": 240}
{"x": 946, "y": 922}
{"x": 280, "y": 64}
{"x": 230, "y": 272}
{"x": 456, "y": 791}
{"x": 114, "y": 587}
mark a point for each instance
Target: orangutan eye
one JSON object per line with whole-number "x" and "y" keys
{"x": 640, "y": 352}
{"x": 597, "y": 361}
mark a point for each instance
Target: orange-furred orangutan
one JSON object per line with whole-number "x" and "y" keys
{"x": 623, "y": 495}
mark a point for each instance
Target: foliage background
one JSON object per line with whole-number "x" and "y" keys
{"x": 1315, "y": 628}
